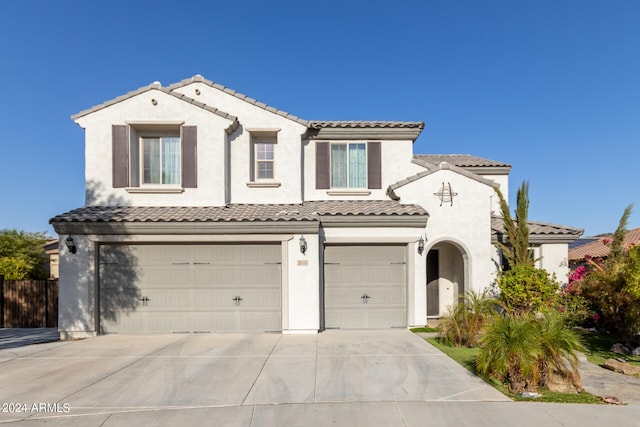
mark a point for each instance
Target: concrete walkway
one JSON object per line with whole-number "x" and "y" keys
{"x": 603, "y": 382}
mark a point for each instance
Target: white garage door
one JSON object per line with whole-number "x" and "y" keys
{"x": 365, "y": 287}
{"x": 190, "y": 288}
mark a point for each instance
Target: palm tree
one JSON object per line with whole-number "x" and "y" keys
{"x": 510, "y": 352}
{"x": 526, "y": 351}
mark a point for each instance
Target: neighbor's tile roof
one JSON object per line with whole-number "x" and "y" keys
{"x": 598, "y": 248}
{"x": 460, "y": 160}
{"x": 538, "y": 228}
{"x": 308, "y": 211}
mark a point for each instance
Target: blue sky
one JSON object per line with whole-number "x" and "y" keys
{"x": 551, "y": 87}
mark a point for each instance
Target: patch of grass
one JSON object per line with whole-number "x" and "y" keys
{"x": 598, "y": 346}
{"x": 467, "y": 358}
{"x": 425, "y": 329}
{"x": 556, "y": 397}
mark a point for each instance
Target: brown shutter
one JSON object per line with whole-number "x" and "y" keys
{"x": 374, "y": 168}
{"x": 189, "y": 157}
{"x": 120, "y": 156}
{"x": 322, "y": 166}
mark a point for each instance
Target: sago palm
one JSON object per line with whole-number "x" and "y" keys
{"x": 509, "y": 352}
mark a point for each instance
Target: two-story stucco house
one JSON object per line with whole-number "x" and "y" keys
{"x": 208, "y": 211}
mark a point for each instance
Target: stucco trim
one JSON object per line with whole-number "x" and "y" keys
{"x": 431, "y": 169}
{"x": 155, "y": 190}
{"x": 369, "y": 239}
{"x": 265, "y": 184}
{"x": 348, "y": 192}
{"x": 418, "y": 221}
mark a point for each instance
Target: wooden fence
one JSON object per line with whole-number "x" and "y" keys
{"x": 28, "y": 303}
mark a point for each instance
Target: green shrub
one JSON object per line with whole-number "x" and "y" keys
{"x": 13, "y": 268}
{"x": 465, "y": 322}
{"x": 526, "y": 289}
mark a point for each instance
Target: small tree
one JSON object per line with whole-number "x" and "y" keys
{"x": 516, "y": 250}
{"x": 22, "y": 254}
{"x": 613, "y": 285}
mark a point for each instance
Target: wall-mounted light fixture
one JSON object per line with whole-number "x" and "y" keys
{"x": 303, "y": 245}
{"x": 71, "y": 245}
{"x": 420, "y": 245}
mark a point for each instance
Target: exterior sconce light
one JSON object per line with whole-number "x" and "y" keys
{"x": 420, "y": 245}
{"x": 71, "y": 245}
{"x": 303, "y": 245}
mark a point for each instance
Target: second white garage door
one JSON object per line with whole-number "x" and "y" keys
{"x": 190, "y": 288}
{"x": 365, "y": 287}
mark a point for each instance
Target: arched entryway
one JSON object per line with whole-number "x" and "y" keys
{"x": 446, "y": 277}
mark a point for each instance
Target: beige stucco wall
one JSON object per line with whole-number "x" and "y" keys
{"x": 466, "y": 224}
{"x": 287, "y": 150}
{"x": 169, "y": 109}
{"x": 554, "y": 258}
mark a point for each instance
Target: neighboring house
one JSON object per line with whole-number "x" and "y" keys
{"x": 209, "y": 211}
{"x": 52, "y": 251}
{"x": 599, "y": 247}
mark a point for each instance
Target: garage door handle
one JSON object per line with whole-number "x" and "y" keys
{"x": 365, "y": 298}
{"x": 145, "y": 301}
{"x": 237, "y": 299}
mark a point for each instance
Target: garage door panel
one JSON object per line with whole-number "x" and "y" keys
{"x": 267, "y": 321}
{"x": 365, "y": 286}
{"x": 191, "y": 288}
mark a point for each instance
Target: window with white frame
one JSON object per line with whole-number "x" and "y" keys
{"x": 160, "y": 160}
{"x": 349, "y": 165}
{"x": 264, "y": 159}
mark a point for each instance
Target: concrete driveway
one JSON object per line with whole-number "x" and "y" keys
{"x": 372, "y": 378}
{"x": 123, "y": 373}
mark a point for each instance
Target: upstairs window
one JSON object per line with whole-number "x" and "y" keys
{"x": 263, "y": 172}
{"x": 160, "y": 155}
{"x": 160, "y": 160}
{"x": 349, "y": 165}
{"x": 264, "y": 160}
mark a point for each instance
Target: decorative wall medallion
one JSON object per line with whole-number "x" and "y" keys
{"x": 446, "y": 195}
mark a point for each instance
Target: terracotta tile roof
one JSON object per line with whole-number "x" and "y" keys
{"x": 366, "y": 124}
{"x": 539, "y": 231}
{"x": 598, "y": 248}
{"x": 308, "y": 211}
{"x": 460, "y": 160}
